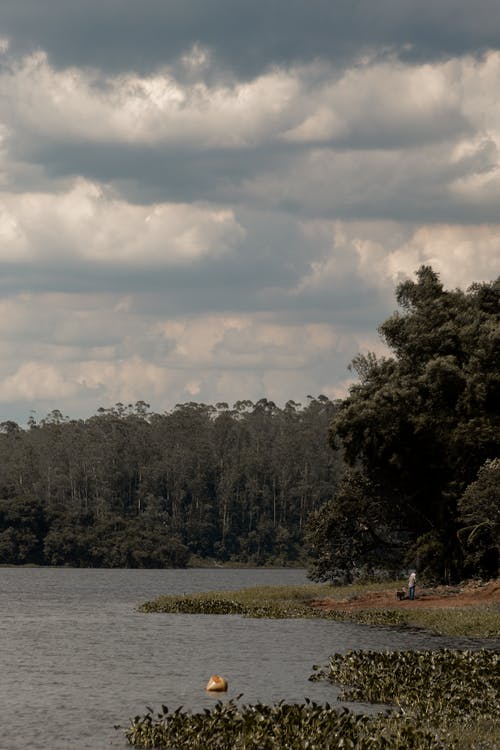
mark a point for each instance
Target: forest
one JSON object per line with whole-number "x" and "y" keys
{"x": 131, "y": 488}
{"x": 403, "y": 472}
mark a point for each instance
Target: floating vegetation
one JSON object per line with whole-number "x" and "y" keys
{"x": 209, "y": 606}
{"x": 190, "y": 605}
{"x": 295, "y": 602}
{"x": 204, "y": 604}
{"x": 439, "y": 700}
{"x": 292, "y": 726}
{"x": 275, "y": 602}
{"x": 455, "y": 691}
{"x": 259, "y": 601}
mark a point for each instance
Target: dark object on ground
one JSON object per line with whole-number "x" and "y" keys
{"x": 401, "y": 594}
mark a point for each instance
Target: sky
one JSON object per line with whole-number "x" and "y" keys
{"x": 214, "y": 200}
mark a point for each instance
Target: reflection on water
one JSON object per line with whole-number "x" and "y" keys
{"x": 76, "y": 658}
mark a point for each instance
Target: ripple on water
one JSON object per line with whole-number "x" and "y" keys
{"x": 77, "y": 658}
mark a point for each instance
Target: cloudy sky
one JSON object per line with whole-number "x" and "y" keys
{"x": 212, "y": 200}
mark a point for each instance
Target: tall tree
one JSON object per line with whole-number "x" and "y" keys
{"x": 479, "y": 512}
{"x": 420, "y": 423}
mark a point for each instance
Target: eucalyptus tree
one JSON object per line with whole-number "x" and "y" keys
{"x": 130, "y": 487}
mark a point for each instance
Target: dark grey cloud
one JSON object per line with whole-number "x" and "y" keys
{"x": 373, "y": 184}
{"x": 149, "y": 173}
{"x": 264, "y": 267}
{"x": 247, "y": 37}
{"x": 285, "y": 206}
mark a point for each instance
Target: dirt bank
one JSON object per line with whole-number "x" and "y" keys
{"x": 467, "y": 595}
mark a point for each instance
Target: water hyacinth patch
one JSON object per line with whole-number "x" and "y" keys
{"x": 307, "y": 726}
{"x": 453, "y": 690}
{"x": 451, "y": 682}
{"x": 248, "y": 603}
{"x": 190, "y": 605}
{"x": 204, "y": 604}
{"x": 437, "y": 700}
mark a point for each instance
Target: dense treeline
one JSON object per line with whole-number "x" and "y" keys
{"x": 127, "y": 487}
{"x": 421, "y": 431}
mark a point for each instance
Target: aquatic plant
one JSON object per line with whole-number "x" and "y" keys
{"x": 295, "y": 602}
{"x": 436, "y": 700}
{"x": 307, "y": 726}
{"x": 190, "y": 605}
{"x": 449, "y": 689}
{"x": 268, "y": 601}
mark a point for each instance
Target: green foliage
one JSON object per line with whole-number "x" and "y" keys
{"x": 438, "y": 555}
{"x": 189, "y": 605}
{"x": 130, "y": 488}
{"x": 22, "y": 524}
{"x": 446, "y": 689}
{"x": 419, "y": 426}
{"x": 447, "y": 700}
{"x": 260, "y": 727}
{"x": 438, "y": 699}
{"x": 479, "y": 511}
{"x": 280, "y": 602}
{"x": 353, "y": 534}
{"x": 268, "y": 607}
{"x": 473, "y": 622}
{"x": 271, "y": 602}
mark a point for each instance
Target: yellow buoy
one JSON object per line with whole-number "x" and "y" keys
{"x": 217, "y": 684}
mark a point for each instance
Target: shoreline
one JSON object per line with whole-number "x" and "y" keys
{"x": 470, "y": 594}
{"x": 472, "y": 610}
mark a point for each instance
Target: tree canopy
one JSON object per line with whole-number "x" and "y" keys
{"x": 132, "y": 488}
{"x": 419, "y": 425}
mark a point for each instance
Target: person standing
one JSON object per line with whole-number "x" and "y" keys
{"x": 411, "y": 585}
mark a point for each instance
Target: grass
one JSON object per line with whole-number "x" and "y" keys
{"x": 483, "y": 736}
{"x": 255, "y": 596}
{"x": 482, "y": 621}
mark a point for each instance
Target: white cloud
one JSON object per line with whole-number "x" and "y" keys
{"x": 256, "y": 341}
{"x": 318, "y": 190}
{"x": 381, "y": 254}
{"x": 460, "y": 254}
{"x": 81, "y": 104}
{"x": 214, "y": 358}
{"x": 385, "y": 102}
{"x": 371, "y": 102}
{"x": 36, "y": 380}
{"x": 90, "y": 224}
{"x": 128, "y": 380}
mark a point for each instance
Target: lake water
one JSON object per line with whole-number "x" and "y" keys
{"x": 77, "y": 658}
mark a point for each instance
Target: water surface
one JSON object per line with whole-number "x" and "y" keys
{"x": 77, "y": 658}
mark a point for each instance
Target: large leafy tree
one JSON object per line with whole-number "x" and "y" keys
{"x": 353, "y": 535}
{"x": 419, "y": 424}
{"x": 479, "y": 512}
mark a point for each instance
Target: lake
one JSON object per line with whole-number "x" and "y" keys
{"x": 77, "y": 658}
